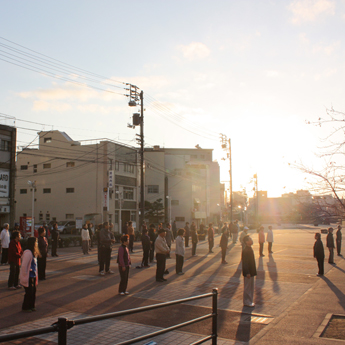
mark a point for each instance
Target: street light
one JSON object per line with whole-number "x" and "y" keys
{"x": 33, "y": 186}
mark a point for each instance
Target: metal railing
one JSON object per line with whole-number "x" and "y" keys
{"x": 63, "y": 324}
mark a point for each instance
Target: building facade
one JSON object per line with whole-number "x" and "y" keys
{"x": 188, "y": 183}
{"x": 78, "y": 179}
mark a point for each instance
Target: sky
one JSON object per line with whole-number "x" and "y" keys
{"x": 256, "y": 71}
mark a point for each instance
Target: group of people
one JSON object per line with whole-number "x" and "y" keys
{"x": 319, "y": 253}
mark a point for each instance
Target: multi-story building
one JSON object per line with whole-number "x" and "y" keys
{"x": 7, "y": 173}
{"x": 187, "y": 181}
{"x": 78, "y": 179}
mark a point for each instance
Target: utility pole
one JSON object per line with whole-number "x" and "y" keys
{"x": 138, "y": 120}
{"x": 257, "y": 198}
{"x": 226, "y": 145}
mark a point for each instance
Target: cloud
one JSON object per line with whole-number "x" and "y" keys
{"x": 52, "y": 106}
{"x": 194, "y": 51}
{"x": 310, "y": 10}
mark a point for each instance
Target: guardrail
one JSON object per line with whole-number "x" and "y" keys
{"x": 63, "y": 324}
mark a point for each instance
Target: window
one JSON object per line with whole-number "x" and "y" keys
{"x": 116, "y": 190}
{"x": 116, "y": 217}
{"x": 129, "y": 168}
{"x": 69, "y": 190}
{"x": 35, "y": 168}
{"x": 128, "y": 193}
{"x": 110, "y": 161}
{"x": 47, "y": 190}
{"x": 194, "y": 156}
{"x": 23, "y": 167}
{"x": 153, "y": 189}
{"x": 23, "y": 191}
{"x": 47, "y": 166}
{"x": 117, "y": 165}
{"x": 175, "y": 202}
{"x": 179, "y": 219}
{"x": 47, "y": 140}
{"x": 133, "y": 214}
{"x": 69, "y": 164}
{"x": 202, "y": 156}
{"x": 40, "y": 216}
{"x": 48, "y": 217}
{"x": 69, "y": 216}
{"x": 5, "y": 145}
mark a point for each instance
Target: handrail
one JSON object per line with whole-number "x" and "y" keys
{"x": 63, "y": 324}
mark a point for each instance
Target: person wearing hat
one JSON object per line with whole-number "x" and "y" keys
{"x": 243, "y": 234}
{"x": 162, "y": 250}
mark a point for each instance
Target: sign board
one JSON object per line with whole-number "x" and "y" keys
{"x": 111, "y": 178}
{"x": 4, "y": 183}
{"x": 4, "y": 209}
{"x": 106, "y": 200}
{"x": 78, "y": 222}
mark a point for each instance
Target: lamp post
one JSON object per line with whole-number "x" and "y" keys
{"x": 169, "y": 206}
{"x": 33, "y": 186}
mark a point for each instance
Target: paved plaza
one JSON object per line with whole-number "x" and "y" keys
{"x": 291, "y": 301}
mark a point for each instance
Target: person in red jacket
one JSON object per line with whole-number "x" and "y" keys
{"x": 15, "y": 252}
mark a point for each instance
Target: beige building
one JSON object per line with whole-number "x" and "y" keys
{"x": 188, "y": 182}
{"x": 78, "y": 179}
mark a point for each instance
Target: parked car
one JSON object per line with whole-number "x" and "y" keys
{"x": 66, "y": 226}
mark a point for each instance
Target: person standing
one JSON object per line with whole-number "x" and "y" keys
{"x": 14, "y": 254}
{"x": 210, "y": 236}
{"x": 186, "y": 234}
{"x": 330, "y": 245}
{"x": 5, "y": 243}
{"x": 179, "y": 251}
{"x": 28, "y": 274}
{"x": 174, "y": 229}
{"x": 243, "y": 234}
{"x": 85, "y": 239}
{"x": 106, "y": 241}
{"x": 195, "y": 239}
{"x": 235, "y": 230}
{"x": 269, "y": 239}
{"x": 261, "y": 236}
{"x": 90, "y": 229}
{"x": 153, "y": 236}
{"x": 130, "y": 232}
{"x": 168, "y": 237}
{"x": 55, "y": 239}
{"x": 162, "y": 250}
{"x": 145, "y": 241}
{"x": 338, "y": 240}
{"x": 224, "y": 243}
{"x": 43, "y": 249}
{"x": 249, "y": 272}
{"x": 124, "y": 262}
{"x": 319, "y": 253}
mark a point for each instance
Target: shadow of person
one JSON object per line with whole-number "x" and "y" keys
{"x": 340, "y": 295}
{"x": 273, "y": 273}
{"x": 243, "y": 329}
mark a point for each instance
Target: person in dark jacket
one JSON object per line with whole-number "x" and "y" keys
{"x": 145, "y": 241}
{"x": 210, "y": 235}
{"x": 186, "y": 235}
{"x": 330, "y": 246}
{"x": 338, "y": 240}
{"x": 195, "y": 240}
{"x": 106, "y": 241}
{"x": 43, "y": 248}
{"x": 249, "y": 272}
{"x": 224, "y": 244}
{"x": 153, "y": 236}
{"x": 124, "y": 262}
{"x": 14, "y": 254}
{"x": 55, "y": 239}
{"x": 174, "y": 229}
{"x": 319, "y": 253}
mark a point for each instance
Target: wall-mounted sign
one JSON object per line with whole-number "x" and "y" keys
{"x": 4, "y": 183}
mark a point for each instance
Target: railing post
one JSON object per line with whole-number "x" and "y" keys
{"x": 215, "y": 315}
{"x": 62, "y": 331}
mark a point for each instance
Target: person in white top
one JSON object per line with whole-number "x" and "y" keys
{"x": 269, "y": 239}
{"x": 85, "y": 238}
{"x": 5, "y": 243}
{"x": 179, "y": 251}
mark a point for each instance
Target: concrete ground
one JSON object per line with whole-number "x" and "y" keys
{"x": 292, "y": 303}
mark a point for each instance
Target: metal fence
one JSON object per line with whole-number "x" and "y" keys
{"x": 63, "y": 324}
